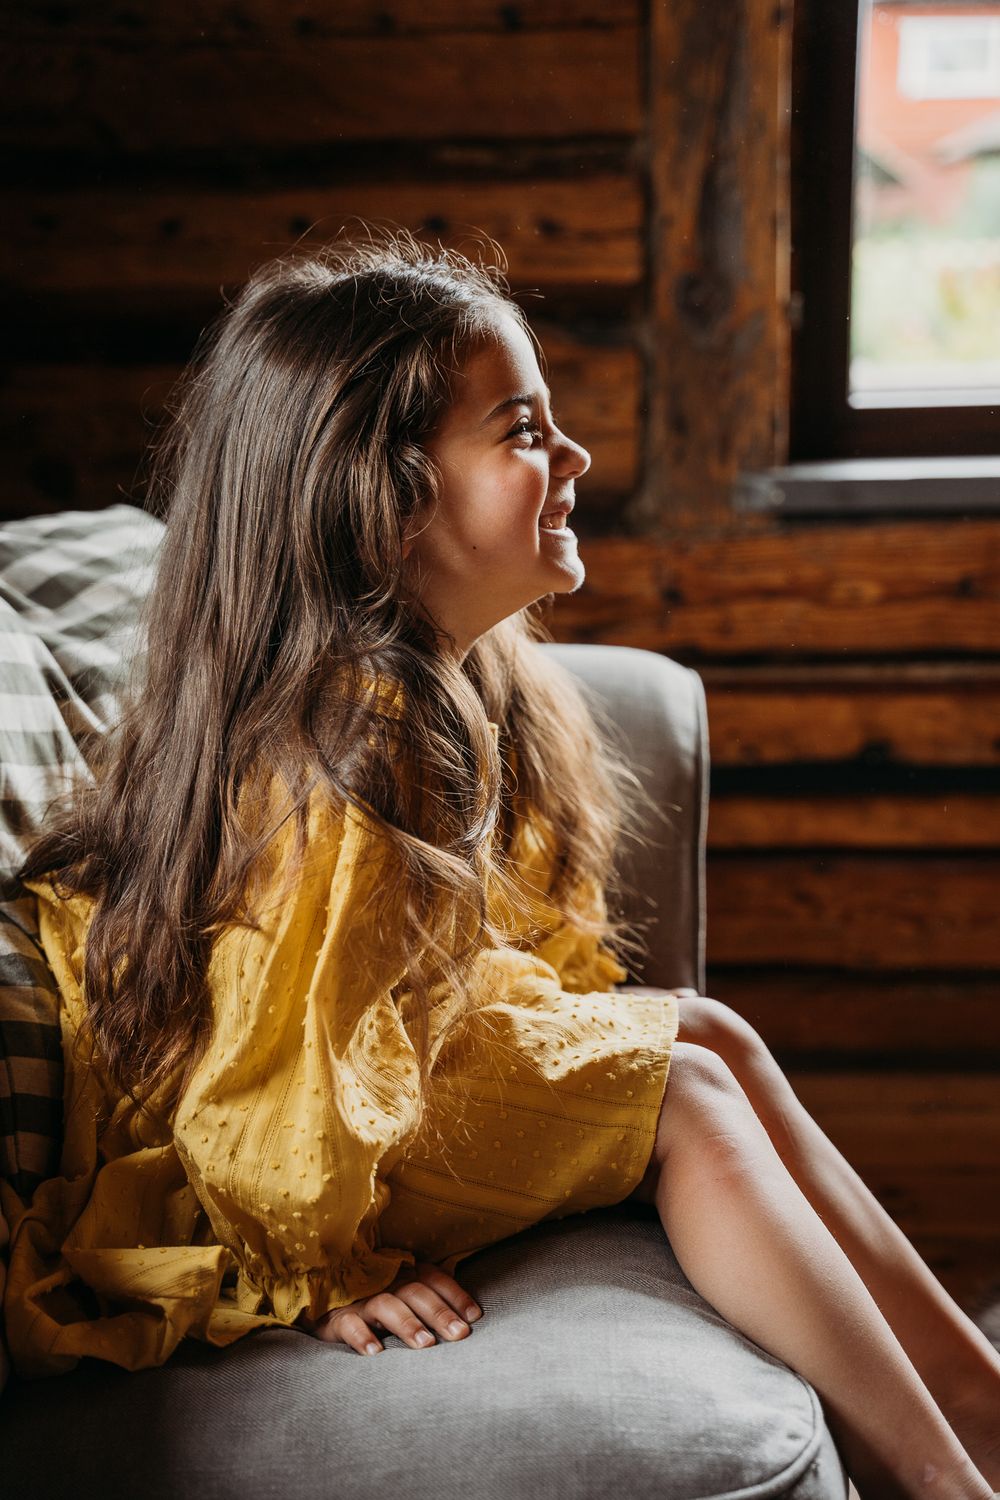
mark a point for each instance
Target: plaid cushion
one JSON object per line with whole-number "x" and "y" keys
{"x": 71, "y": 587}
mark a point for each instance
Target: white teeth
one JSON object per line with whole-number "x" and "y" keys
{"x": 556, "y": 525}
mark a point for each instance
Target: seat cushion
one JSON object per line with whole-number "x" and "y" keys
{"x": 596, "y": 1370}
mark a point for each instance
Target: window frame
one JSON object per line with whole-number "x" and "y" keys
{"x": 823, "y": 425}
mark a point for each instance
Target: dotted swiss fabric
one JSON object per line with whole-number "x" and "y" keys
{"x": 290, "y": 1177}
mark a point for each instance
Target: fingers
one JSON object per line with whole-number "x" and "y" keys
{"x": 347, "y": 1326}
{"x": 416, "y": 1310}
{"x": 394, "y": 1313}
{"x": 448, "y": 1288}
{"x": 423, "y": 1300}
{"x": 412, "y": 1314}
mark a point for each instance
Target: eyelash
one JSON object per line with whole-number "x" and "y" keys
{"x": 520, "y": 431}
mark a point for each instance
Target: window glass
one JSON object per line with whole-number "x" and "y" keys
{"x": 925, "y": 282}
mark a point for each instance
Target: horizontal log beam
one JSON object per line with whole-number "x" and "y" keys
{"x": 927, "y": 1146}
{"x": 950, "y": 821}
{"x": 306, "y": 90}
{"x": 946, "y": 1198}
{"x": 873, "y": 911}
{"x": 272, "y": 23}
{"x": 935, "y": 724}
{"x": 937, "y": 1121}
{"x": 130, "y": 249}
{"x": 800, "y": 1012}
{"x": 898, "y": 586}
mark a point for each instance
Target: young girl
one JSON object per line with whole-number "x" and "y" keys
{"x": 337, "y": 970}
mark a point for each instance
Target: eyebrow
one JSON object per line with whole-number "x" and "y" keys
{"x": 525, "y": 400}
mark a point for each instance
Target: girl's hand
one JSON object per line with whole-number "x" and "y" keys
{"x": 422, "y": 1298}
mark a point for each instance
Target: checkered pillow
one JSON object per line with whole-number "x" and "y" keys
{"x": 71, "y": 587}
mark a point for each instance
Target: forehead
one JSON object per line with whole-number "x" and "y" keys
{"x": 505, "y": 366}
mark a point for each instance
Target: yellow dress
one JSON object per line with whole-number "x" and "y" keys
{"x": 289, "y": 1178}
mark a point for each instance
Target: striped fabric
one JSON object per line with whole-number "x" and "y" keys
{"x": 71, "y": 587}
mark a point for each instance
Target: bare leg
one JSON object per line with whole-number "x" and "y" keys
{"x": 954, "y": 1358}
{"x": 751, "y": 1244}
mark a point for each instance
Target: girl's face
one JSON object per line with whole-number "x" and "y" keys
{"x": 482, "y": 555}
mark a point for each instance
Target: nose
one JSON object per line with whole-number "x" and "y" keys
{"x": 574, "y": 459}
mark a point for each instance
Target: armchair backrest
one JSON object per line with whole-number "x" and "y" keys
{"x": 658, "y": 711}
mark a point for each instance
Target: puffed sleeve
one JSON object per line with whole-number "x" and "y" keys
{"x": 259, "y": 1196}
{"x": 113, "y": 1258}
{"x": 308, "y": 1089}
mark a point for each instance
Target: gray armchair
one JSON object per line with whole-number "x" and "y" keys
{"x": 596, "y": 1370}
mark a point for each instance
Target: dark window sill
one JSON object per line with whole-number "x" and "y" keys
{"x": 867, "y": 486}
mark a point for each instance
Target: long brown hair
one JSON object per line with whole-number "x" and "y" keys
{"x": 288, "y": 468}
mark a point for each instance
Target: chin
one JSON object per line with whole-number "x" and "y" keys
{"x": 577, "y": 581}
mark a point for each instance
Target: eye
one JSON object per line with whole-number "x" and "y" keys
{"x": 525, "y": 428}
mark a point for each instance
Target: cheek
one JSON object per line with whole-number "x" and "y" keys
{"x": 509, "y": 505}
{"x": 529, "y": 485}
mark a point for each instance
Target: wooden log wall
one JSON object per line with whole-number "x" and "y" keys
{"x": 632, "y": 160}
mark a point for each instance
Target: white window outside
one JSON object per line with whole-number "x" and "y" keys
{"x": 949, "y": 57}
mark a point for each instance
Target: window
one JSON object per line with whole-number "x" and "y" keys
{"x": 925, "y": 268}
{"x": 896, "y": 235}
{"x": 949, "y": 57}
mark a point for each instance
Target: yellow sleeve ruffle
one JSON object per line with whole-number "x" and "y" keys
{"x": 114, "y": 1258}
{"x": 308, "y": 1088}
{"x": 259, "y": 1198}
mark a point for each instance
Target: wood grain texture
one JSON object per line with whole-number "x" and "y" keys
{"x": 913, "y": 714}
{"x": 911, "y": 1121}
{"x": 269, "y": 22}
{"x": 130, "y": 250}
{"x": 827, "y": 590}
{"x": 860, "y": 1015}
{"x": 927, "y": 1146}
{"x": 877, "y": 911}
{"x": 950, "y": 820}
{"x": 719, "y": 275}
{"x": 285, "y": 90}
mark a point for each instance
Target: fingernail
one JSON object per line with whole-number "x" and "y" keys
{"x": 472, "y": 1313}
{"x": 372, "y": 1348}
{"x": 456, "y": 1327}
{"x": 423, "y": 1337}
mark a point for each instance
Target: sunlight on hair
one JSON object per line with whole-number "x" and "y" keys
{"x": 280, "y": 637}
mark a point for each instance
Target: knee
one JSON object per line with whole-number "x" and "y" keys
{"x": 704, "y": 1106}
{"x": 710, "y": 1024}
